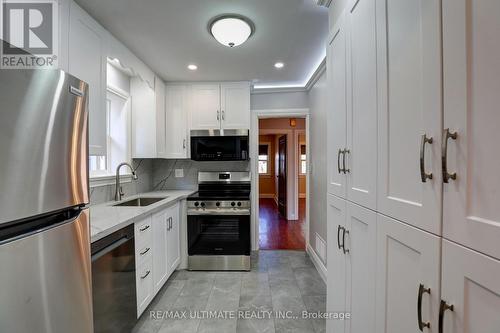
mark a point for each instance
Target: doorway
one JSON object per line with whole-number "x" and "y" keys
{"x": 282, "y": 207}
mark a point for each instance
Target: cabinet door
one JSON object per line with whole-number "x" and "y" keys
{"x": 144, "y": 286}
{"x": 235, "y": 105}
{"x": 337, "y": 109}
{"x": 161, "y": 143}
{"x": 471, "y": 213}
{"x": 409, "y": 96}
{"x": 361, "y": 268}
{"x": 205, "y": 106}
{"x": 87, "y": 61}
{"x": 361, "y": 160}
{"x": 406, "y": 258}
{"x": 336, "y": 263}
{"x": 143, "y": 119}
{"x": 160, "y": 243}
{"x": 173, "y": 244}
{"x": 471, "y": 283}
{"x": 176, "y": 105}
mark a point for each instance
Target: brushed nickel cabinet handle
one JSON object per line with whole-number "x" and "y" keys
{"x": 421, "y": 291}
{"x": 218, "y": 115}
{"x": 444, "y": 155}
{"x": 423, "y": 175}
{"x": 145, "y": 251}
{"x": 343, "y": 241}
{"x": 184, "y": 144}
{"x": 339, "y": 169}
{"x": 338, "y": 236}
{"x": 346, "y": 151}
{"x": 442, "y": 309}
{"x": 145, "y": 275}
{"x": 144, "y": 229}
{"x": 223, "y": 115}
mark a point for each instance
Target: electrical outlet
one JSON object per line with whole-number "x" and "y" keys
{"x": 179, "y": 173}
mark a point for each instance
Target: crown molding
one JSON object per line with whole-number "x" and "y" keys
{"x": 324, "y": 3}
{"x": 316, "y": 75}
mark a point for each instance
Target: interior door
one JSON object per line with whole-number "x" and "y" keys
{"x": 160, "y": 243}
{"x": 235, "y": 105}
{"x": 407, "y": 257}
{"x": 361, "y": 156}
{"x": 282, "y": 181}
{"x": 336, "y": 263}
{"x": 471, "y": 213}
{"x": 409, "y": 106}
{"x": 361, "y": 268}
{"x": 471, "y": 283}
{"x": 205, "y": 106}
{"x": 337, "y": 109}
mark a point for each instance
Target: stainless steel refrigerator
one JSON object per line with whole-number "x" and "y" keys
{"x": 45, "y": 268}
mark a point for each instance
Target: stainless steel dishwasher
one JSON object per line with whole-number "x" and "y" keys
{"x": 113, "y": 282}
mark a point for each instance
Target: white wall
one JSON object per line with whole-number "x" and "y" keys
{"x": 317, "y": 157}
{"x": 282, "y": 100}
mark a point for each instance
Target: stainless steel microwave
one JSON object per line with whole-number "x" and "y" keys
{"x": 219, "y": 145}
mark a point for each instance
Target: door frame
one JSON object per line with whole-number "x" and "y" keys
{"x": 254, "y": 158}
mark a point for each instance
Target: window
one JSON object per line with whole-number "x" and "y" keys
{"x": 303, "y": 160}
{"x": 264, "y": 159}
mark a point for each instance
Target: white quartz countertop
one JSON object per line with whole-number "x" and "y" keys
{"x": 106, "y": 219}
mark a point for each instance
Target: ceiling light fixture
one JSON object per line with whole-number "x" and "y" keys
{"x": 192, "y": 67}
{"x": 279, "y": 65}
{"x": 231, "y": 29}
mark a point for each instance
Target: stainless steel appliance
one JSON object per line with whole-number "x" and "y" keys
{"x": 113, "y": 282}
{"x": 219, "y": 145}
{"x": 219, "y": 222}
{"x": 45, "y": 274}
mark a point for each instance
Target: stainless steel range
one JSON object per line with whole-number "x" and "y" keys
{"x": 219, "y": 222}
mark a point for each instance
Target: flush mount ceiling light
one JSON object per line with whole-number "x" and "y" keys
{"x": 192, "y": 67}
{"x": 279, "y": 65}
{"x": 231, "y": 29}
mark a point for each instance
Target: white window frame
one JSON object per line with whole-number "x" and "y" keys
{"x": 268, "y": 144}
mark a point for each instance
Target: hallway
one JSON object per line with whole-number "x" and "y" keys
{"x": 276, "y": 233}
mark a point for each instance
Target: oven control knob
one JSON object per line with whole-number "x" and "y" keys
{"x": 239, "y": 204}
{"x": 233, "y": 203}
{"x": 203, "y": 204}
{"x": 217, "y": 204}
{"x": 196, "y": 204}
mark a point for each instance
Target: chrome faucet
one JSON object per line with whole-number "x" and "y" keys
{"x": 118, "y": 188}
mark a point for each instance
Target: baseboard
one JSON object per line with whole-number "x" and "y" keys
{"x": 317, "y": 263}
{"x": 266, "y": 195}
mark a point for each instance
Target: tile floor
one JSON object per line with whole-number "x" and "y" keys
{"x": 279, "y": 280}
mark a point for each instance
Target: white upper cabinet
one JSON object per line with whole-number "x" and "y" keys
{"x": 176, "y": 107}
{"x": 471, "y": 210}
{"x": 361, "y": 148}
{"x": 471, "y": 284}
{"x": 205, "y": 106}
{"x": 337, "y": 109}
{"x": 220, "y": 106}
{"x": 408, "y": 268}
{"x": 87, "y": 61}
{"x": 235, "y": 105}
{"x": 148, "y": 119}
{"x": 409, "y": 100}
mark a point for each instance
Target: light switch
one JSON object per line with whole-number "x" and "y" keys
{"x": 179, "y": 173}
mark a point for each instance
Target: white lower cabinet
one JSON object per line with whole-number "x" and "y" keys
{"x": 408, "y": 268}
{"x": 352, "y": 258}
{"x": 471, "y": 284}
{"x": 157, "y": 243}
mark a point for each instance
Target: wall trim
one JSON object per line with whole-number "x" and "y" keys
{"x": 316, "y": 75}
{"x": 266, "y": 195}
{"x": 320, "y": 267}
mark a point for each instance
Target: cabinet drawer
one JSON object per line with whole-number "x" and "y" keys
{"x": 143, "y": 253}
{"x": 144, "y": 283}
{"x": 143, "y": 232}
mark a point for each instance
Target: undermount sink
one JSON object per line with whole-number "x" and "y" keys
{"x": 140, "y": 202}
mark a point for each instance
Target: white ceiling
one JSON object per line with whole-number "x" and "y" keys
{"x": 170, "y": 34}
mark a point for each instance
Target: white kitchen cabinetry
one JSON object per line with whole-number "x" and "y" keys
{"x": 148, "y": 119}
{"x": 352, "y": 256}
{"x": 407, "y": 258}
{"x": 143, "y": 263}
{"x": 87, "y": 61}
{"x": 176, "y": 107}
{"x": 220, "y": 106}
{"x": 409, "y": 106}
{"x": 173, "y": 239}
{"x": 353, "y": 124}
{"x": 471, "y": 284}
{"x": 471, "y": 210}
{"x": 160, "y": 243}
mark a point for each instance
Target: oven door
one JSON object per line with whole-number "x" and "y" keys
{"x": 219, "y": 235}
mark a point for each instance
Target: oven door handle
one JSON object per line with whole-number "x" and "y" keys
{"x": 215, "y": 213}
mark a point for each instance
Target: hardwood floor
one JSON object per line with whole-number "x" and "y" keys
{"x": 277, "y": 233}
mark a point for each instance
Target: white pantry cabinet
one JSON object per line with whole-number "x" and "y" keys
{"x": 220, "y": 106}
{"x": 408, "y": 268}
{"x": 87, "y": 61}
{"x": 148, "y": 119}
{"x": 176, "y": 107}
{"x": 409, "y": 107}
{"x": 471, "y": 284}
{"x": 471, "y": 209}
{"x": 353, "y": 112}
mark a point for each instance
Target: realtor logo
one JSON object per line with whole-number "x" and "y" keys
{"x": 29, "y": 34}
